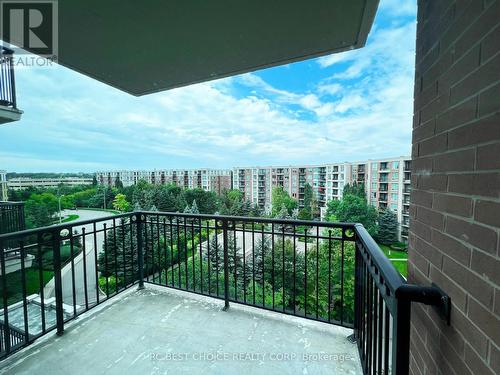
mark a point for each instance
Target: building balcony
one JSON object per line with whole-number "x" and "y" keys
{"x": 8, "y": 103}
{"x": 174, "y": 292}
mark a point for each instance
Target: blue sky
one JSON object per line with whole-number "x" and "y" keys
{"x": 350, "y": 106}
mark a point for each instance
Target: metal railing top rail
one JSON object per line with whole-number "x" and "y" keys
{"x": 52, "y": 228}
{"x": 391, "y": 277}
{"x": 325, "y": 224}
{"x": 249, "y": 219}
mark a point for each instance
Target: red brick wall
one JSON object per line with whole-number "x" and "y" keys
{"x": 455, "y": 209}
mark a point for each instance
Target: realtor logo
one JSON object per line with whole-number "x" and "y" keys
{"x": 30, "y": 25}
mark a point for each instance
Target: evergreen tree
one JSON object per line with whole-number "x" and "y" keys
{"x": 254, "y": 262}
{"x": 118, "y": 183}
{"x": 387, "y": 227}
{"x": 234, "y": 254}
{"x": 194, "y": 208}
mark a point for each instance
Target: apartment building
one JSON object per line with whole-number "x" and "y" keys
{"x": 216, "y": 180}
{"x": 21, "y": 183}
{"x": 257, "y": 183}
{"x": 3, "y": 186}
{"x": 387, "y": 184}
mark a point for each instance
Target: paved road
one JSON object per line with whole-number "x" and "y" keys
{"x": 91, "y": 241}
{"x": 85, "y": 270}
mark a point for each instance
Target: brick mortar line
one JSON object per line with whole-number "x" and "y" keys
{"x": 461, "y": 241}
{"x": 488, "y": 281}
{"x": 452, "y": 44}
{"x": 462, "y": 101}
{"x": 453, "y": 173}
{"x": 469, "y": 220}
{"x": 470, "y": 122}
{"x": 464, "y": 148}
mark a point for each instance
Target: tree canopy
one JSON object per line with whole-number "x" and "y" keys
{"x": 280, "y": 199}
{"x": 353, "y": 208}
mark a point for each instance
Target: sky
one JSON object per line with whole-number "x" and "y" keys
{"x": 349, "y": 106}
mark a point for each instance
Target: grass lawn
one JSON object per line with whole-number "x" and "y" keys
{"x": 67, "y": 219}
{"x": 70, "y": 218}
{"x": 402, "y": 264}
{"x": 48, "y": 256}
{"x": 14, "y": 289}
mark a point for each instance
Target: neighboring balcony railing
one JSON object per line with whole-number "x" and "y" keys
{"x": 329, "y": 272}
{"x": 7, "y": 80}
{"x": 11, "y": 217}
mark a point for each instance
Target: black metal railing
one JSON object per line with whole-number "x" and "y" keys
{"x": 12, "y": 217}
{"x": 329, "y": 272}
{"x": 7, "y": 79}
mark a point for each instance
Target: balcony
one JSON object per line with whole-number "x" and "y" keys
{"x": 8, "y": 106}
{"x": 172, "y": 287}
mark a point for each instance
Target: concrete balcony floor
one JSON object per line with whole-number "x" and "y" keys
{"x": 161, "y": 331}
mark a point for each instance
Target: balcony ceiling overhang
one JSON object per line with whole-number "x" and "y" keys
{"x": 143, "y": 47}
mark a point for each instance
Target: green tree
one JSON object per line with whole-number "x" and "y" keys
{"x": 280, "y": 199}
{"x": 353, "y": 209}
{"x": 118, "y": 183}
{"x": 206, "y": 201}
{"x": 355, "y": 189}
{"x": 40, "y": 209}
{"x": 387, "y": 227}
{"x": 120, "y": 203}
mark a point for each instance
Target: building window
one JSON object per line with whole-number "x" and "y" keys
{"x": 394, "y": 207}
{"x": 374, "y": 166}
{"x": 394, "y": 187}
{"x": 394, "y": 197}
{"x": 395, "y": 176}
{"x": 395, "y": 165}
{"x": 374, "y": 186}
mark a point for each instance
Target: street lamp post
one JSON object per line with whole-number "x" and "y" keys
{"x": 60, "y": 215}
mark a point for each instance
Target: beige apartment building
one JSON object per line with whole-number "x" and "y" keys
{"x": 387, "y": 184}
{"x": 216, "y": 180}
{"x": 21, "y": 183}
{"x": 257, "y": 183}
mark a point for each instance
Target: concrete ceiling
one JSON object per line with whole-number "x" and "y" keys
{"x": 147, "y": 46}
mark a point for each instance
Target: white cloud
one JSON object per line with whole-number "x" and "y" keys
{"x": 329, "y": 89}
{"x": 74, "y": 123}
{"x": 398, "y": 7}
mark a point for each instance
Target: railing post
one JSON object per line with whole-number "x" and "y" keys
{"x": 226, "y": 268}
{"x": 357, "y": 292}
{"x": 12, "y": 81}
{"x": 56, "y": 251}
{"x": 401, "y": 337}
{"x": 140, "y": 255}
{"x": 6, "y": 326}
